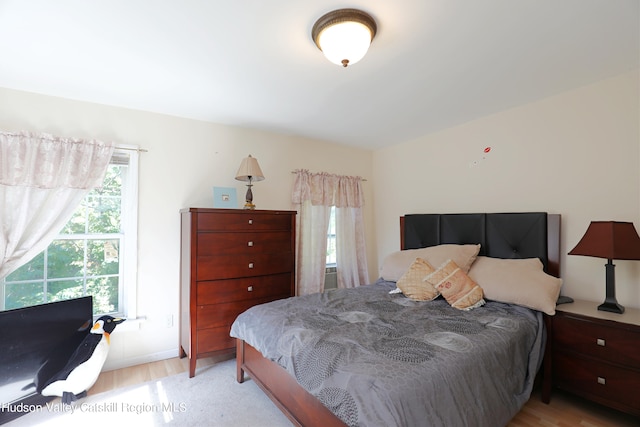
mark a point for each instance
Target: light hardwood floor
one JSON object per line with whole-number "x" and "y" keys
{"x": 564, "y": 410}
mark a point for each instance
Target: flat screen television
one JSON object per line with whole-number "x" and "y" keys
{"x": 36, "y": 342}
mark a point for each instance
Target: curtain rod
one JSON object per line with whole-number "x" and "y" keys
{"x": 139, "y": 150}
{"x": 363, "y": 179}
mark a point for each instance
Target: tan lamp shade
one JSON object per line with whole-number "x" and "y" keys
{"x": 249, "y": 170}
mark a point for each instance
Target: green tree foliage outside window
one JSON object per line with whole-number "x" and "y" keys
{"x": 84, "y": 259}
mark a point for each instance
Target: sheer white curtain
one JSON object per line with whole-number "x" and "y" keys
{"x": 313, "y": 195}
{"x": 351, "y": 254}
{"x": 43, "y": 178}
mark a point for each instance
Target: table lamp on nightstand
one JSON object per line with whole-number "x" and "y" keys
{"x": 610, "y": 240}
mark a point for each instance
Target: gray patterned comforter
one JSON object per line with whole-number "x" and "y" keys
{"x": 380, "y": 359}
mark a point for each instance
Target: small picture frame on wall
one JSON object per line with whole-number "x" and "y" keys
{"x": 225, "y": 197}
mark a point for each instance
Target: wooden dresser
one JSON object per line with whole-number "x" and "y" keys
{"x": 231, "y": 259}
{"x": 596, "y": 354}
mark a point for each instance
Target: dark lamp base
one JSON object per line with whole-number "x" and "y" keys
{"x": 612, "y": 307}
{"x": 610, "y": 303}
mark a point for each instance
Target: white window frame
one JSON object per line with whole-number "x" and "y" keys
{"x": 129, "y": 256}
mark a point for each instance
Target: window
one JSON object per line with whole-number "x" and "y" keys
{"x": 94, "y": 254}
{"x": 331, "y": 239}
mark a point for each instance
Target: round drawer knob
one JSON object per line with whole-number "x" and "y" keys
{"x": 250, "y": 265}
{"x": 250, "y": 289}
{"x": 250, "y": 244}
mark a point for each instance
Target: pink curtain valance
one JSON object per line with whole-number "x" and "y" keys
{"x": 325, "y": 189}
{"x": 46, "y": 161}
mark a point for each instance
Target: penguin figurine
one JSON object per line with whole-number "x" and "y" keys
{"x": 84, "y": 366}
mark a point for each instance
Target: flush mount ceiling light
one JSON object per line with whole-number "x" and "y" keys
{"x": 344, "y": 35}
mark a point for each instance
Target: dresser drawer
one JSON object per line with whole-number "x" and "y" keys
{"x": 608, "y": 343}
{"x": 214, "y": 339}
{"x": 232, "y": 266}
{"x": 242, "y": 222}
{"x": 210, "y": 243}
{"x": 216, "y": 315}
{"x": 229, "y": 290}
{"x": 608, "y": 384}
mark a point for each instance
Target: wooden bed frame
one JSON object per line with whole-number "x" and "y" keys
{"x": 303, "y": 409}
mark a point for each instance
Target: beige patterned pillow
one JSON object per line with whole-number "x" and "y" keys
{"x": 456, "y": 287}
{"x": 412, "y": 282}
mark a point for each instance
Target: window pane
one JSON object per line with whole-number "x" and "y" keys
{"x": 59, "y": 290}
{"x": 102, "y": 257}
{"x": 103, "y": 214}
{"x": 112, "y": 184}
{"x": 33, "y": 270}
{"x": 331, "y": 250}
{"x": 105, "y": 294}
{"x": 77, "y": 223}
{"x": 19, "y": 295}
{"x": 331, "y": 238}
{"x": 66, "y": 259}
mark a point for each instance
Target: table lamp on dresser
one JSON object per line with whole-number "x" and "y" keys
{"x": 610, "y": 240}
{"x": 249, "y": 171}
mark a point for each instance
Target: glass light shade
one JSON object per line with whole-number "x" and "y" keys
{"x": 345, "y": 43}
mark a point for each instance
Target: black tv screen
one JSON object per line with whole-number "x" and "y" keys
{"x": 36, "y": 342}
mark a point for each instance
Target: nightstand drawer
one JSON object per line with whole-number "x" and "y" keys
{"x": 598, "y": 381}
{"x": 244, "y": 242}
{"x": 609, "y": 343}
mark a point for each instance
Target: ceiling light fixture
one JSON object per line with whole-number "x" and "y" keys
{"x": 344, "y": 35}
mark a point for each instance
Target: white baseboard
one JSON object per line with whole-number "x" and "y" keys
{"x": 147, "y": 358}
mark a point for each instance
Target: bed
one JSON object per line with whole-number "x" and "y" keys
{"x": 373, "y": 356}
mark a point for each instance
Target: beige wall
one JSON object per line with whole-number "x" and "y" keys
{"x": 576, "y": 154}
{"x": 186, "y": 158}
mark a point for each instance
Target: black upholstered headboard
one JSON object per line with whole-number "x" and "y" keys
{"x": 500, "y": 235}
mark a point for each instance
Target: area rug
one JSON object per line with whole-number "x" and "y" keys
{"x": 212, "y": 398}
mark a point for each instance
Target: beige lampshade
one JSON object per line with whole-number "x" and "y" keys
{"x": 249, "y": 170}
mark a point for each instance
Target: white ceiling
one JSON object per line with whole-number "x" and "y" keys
{"x": 252, "y": 63}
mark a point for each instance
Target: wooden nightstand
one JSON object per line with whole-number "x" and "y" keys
{"x": 596, "y": 354}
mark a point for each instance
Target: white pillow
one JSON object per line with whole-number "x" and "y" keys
{"x": 397, "y": 263}
{"x": 517, "y": 281}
